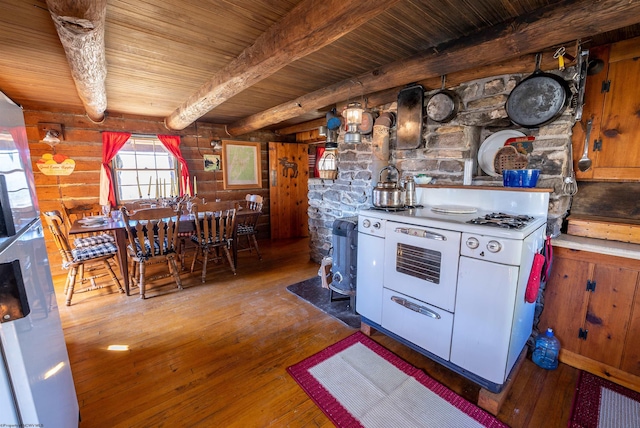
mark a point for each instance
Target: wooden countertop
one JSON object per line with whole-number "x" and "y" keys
{"x": 600, "y": 246}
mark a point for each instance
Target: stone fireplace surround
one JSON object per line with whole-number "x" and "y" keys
{"x": 441, "y": 155}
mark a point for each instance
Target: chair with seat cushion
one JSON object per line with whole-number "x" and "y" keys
{"x": 79, "y": 260}
{"x": 214, "y": 232}
{"x": 247, "y": 224}
{"x": 153, "y": 239}
{"x": 73, "y": 212}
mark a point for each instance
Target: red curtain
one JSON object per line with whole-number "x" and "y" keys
{"x": 172, "y": 143}
{"x": 112, "y": 142}
{"x": 319, "y": 153}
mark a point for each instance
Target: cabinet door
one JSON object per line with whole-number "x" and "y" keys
{"x": 614, "y": 114}
{"x": 565, "y": 300}
{"x": 609, "y": 309}
{"x": 620, "y": 126}
{"x": 631, "y": 355}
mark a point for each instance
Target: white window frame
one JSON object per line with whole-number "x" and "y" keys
{"x": 137, "y": 177}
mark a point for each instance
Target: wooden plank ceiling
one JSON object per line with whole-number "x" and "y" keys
{"x": 270, "y": 64}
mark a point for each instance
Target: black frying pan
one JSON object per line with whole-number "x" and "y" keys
{"x": 539, "y": 99}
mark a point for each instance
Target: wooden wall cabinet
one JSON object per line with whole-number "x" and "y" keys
{"x": 611, "y": 101}
{"x": 592, "y": 305}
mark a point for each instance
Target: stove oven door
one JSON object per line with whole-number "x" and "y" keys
{"x": 422, "y": 262}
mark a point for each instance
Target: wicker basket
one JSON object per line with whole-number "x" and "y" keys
{"x": 327, "y": 174}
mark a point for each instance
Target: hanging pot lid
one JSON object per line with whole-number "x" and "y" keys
{"x": 443, "y": 105}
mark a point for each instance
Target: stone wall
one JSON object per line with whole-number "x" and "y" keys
{"x": 442, "y": 155}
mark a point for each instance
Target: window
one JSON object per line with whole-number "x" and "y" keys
{"x": 144, "y": 168}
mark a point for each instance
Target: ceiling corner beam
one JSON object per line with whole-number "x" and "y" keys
{"x": 310, "y": 26}
{"x": 80, "y": 26}
{"x": 524, "y": 35}
{"x": 302, "y": 127}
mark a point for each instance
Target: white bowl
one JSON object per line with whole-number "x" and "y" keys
{"x": 422, "y": 179}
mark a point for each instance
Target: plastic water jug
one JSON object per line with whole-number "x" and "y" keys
{"x": 546, "y": 351}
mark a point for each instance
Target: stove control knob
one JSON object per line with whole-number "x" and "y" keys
{"x": 366, "y": 223}
{"x": 376, "y": 225}
{"x": 473, "y": 243}
{"x": 494, "y": 246}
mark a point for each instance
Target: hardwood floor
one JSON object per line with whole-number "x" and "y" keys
{"x": 215, "y": 354}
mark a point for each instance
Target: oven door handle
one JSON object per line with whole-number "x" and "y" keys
{"x": 420, "y": 233}
{"x": 416, "y": 308}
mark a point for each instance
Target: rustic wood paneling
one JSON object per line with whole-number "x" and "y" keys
{"x": 617, "y": 201}
{"x": 159, "y": 53}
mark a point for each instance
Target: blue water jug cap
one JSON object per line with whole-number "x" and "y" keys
{"x": 549, "y": 332}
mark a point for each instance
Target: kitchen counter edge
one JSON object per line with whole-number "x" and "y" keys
{"x": 600, "y": 246}
{"x": 510, "y": 189}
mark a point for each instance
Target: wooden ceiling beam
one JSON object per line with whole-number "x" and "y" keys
{"x": 558, "y": 23}
{"x": 302, "y": 127}
{"x": 310, "y": 26}
{"x": 80, "y": 26}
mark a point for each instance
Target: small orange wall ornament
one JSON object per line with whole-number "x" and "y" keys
{"x": 58, "y": 164}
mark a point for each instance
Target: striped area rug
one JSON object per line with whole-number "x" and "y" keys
{"x": 359, "y": 383}
{"x": 599, "y": 403}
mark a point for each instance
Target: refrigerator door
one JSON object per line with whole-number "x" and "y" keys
{"x": 7, "y": 405}
{"x": 18, "y": 201}
{"x": 33, "y": 347}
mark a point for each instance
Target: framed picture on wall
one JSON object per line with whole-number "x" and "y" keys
{"x": 241, "y": 165}
{"x": 212, "y": 162}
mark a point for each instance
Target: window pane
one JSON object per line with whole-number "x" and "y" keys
{"x": 144, "y": 168}
{"x": 126, "y": 160}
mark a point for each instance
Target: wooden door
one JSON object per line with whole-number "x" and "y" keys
{"x": 607, "y": 318}
{"x": 288, "y": 199}
{"x": 611, "y": 103}
{"x": 620, "y": 127}
{"x": 631, "y": 355}
{"x": 566, "y": 299}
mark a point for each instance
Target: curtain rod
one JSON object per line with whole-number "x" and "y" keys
{"x": 146, "y": 135}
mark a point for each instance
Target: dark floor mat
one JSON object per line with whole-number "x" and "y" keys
{"x": 311, "y": 290}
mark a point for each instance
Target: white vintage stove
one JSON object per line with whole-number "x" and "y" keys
{"x": 449, "y": 279}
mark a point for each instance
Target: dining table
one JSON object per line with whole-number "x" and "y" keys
{"x": 117, "y": 226}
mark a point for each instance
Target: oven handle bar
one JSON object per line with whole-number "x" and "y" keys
{"x": 416, "y": 308}
{"x": 420, "y": 233}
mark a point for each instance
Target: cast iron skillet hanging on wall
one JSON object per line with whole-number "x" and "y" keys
{"x": 443, "y": 105}
{"x": 539, "y": 99}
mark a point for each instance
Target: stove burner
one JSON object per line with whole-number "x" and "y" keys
{"x": 507, "y": 221}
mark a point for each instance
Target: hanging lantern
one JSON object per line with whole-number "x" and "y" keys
{"x": 332, "y": 139}
{"x": 353, "y": 117}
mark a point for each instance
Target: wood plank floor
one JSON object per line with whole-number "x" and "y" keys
{"x": 215, "y": 354}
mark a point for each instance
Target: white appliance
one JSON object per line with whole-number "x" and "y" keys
{"x": 36, "y": 386}
{"x": 448, "y": 279}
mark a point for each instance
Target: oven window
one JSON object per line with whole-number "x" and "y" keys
{"x": 419, "y": 262}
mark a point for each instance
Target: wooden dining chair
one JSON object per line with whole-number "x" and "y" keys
{"x": 214, "y": 232}
{"x": 153, "y": 239}
{"x": 72, "y": 212}
{"x": 82, "y": 259}
{"x": 248, "y": 224}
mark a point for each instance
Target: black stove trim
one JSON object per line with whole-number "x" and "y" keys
{"x": 502, "y": 220}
